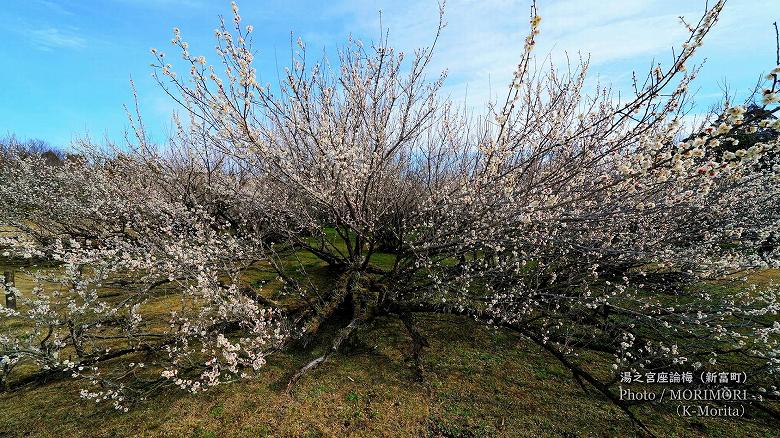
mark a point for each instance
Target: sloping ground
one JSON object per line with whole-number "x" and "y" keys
{"x": 478, "y": 382}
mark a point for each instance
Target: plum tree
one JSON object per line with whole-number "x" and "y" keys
{"x": 581, "y": 220}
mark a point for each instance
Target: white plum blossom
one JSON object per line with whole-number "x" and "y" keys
{"x": 573, "y": 219}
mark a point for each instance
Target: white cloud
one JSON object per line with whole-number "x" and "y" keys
{"x": 483, "y": 40}
{"x": 49, "y": 38}
{"x": 165, "y": 3}
{"x": 54, "y": 7}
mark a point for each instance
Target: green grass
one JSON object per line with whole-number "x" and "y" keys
{"x": 479, "y": 382}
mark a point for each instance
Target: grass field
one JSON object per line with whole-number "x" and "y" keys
{"x": 479, "y": 382}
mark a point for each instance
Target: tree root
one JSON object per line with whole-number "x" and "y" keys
{"x": 418, "y": 343}
{"x": 349, "y": 289}
{"x": 579, "y": 373}
{"x": 771, "y": 412}
{"x": 322, "y": 314}
{"x": 344, "y": 334}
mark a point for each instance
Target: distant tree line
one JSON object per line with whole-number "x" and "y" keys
{"x": 10, "y": 145}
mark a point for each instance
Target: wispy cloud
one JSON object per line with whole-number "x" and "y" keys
{"x": 164, "y": 3}
{"x": 55, "y": 7}
{"x": 49, "y": 38}
{"x": 484, "y": 38}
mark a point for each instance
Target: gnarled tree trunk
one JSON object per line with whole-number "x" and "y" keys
{"x": 8, "y": 284}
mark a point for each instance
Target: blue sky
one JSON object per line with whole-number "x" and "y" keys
{"x": 67, "y": 64}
